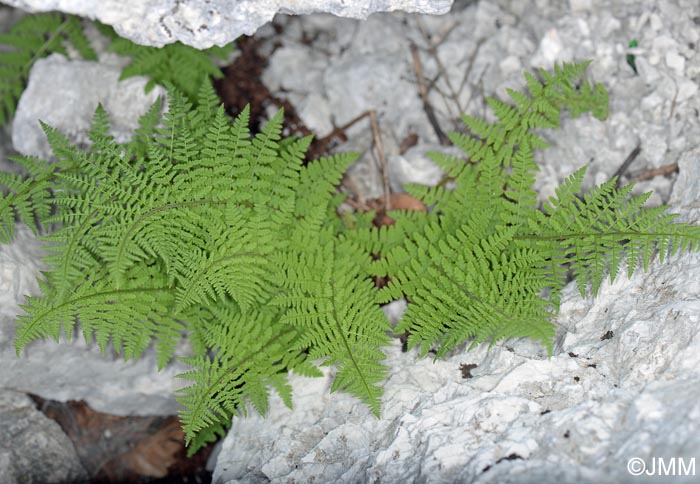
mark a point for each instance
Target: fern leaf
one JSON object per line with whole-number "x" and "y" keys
{"x": 327, "y": 296}
{"x": 254, "y": 351}
{"x": 136, "y": 313}
{"x": 595, "y": 233}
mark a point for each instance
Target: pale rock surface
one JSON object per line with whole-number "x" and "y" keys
{"x": 29, "y": 437}
{"x": 65, "y": 94}
{"x": 203, "y": 23}
{"x": 73, "y": 370}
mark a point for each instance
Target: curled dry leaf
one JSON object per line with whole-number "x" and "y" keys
{"x": 397, "y": 201}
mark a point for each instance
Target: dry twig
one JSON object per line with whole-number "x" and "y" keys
{"x": 661, "y": 171}
{"x": 628, "y": 161}
{"x": 382, "y": 159}
{"x": 427, "y": 107}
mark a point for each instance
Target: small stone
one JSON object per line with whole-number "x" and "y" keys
{"x": 33, "y": 448}
{"x": 676, "y": 62}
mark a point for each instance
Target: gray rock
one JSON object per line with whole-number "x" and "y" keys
{"x": 74, "y": 370}
{"x": 203, "y": 23}
{"x": 33, "y": 448}
{"x": 66, "y": 93}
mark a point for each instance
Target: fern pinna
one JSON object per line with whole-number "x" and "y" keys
{"x": 195, "y": 227}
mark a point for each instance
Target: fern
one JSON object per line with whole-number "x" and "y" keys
{"x": 198, "y": 228}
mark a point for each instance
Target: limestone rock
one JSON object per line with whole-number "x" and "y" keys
{"x": 33, "y": 448}
{"x": 65, "y": 94}
{"x": 203, "y": 23}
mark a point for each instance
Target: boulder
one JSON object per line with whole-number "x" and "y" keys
{"x": 65, "y": 94}
{"x": 33, "y": 448}
{"x": 203, "y": 23}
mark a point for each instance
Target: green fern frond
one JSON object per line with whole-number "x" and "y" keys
{"x": 328, "y": 295}
{"x": 190, "y": 227}
{"x": 498, "y": 273}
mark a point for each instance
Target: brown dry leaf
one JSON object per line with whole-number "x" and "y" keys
{"x": 397, "y": 201}
{"x": 404, "y": 201}
{"x": 155, "y": 453}
{"x": 124, "y": 449}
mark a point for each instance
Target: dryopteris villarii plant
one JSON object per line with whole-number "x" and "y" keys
{"x": 195, "y": 227}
